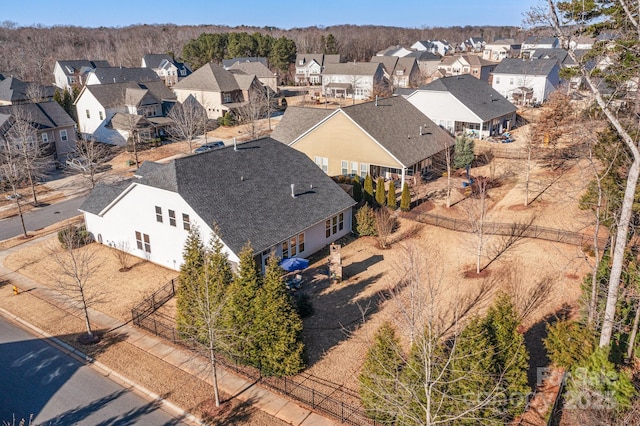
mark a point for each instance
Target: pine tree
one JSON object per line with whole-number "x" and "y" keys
{"x": 239, "y": 312}
{"x": 190, "y": 271}
{"x": 405, "y": 200}
{"x": 463, "y": 152}
{"x": 380, "y": 194}
{"x": 357, "y": 189}
{"x": 380, "y": 373}
{"x": 278, "y": 326}
{"x": 368, "y": 189}
{"x": 392, "y": 202}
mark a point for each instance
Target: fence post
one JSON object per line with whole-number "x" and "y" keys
{"x": 342, "y": 419}
{"x": 313, "y": 399}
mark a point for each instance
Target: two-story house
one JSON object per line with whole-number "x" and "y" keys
{"x": 524, "y": 81}
{"x": 440, "y": 47}
{"x": 355, "y": 80}
{"x": 403, "y": 72}
{"x": 70, "y": 75}
{"x": 109, "y": 113}
{"x": 262, "y": 73}
{"x": 166, "y": 67}
{"x": 218, "y": 90}
{"x": 310, "y": 66}
{"x": 500, "y": 49}
{"x": 467, "y": 64}
{"x": 14, "y": 91}
{"x": 531, "y": 44}
{"x": 109, "y": 75}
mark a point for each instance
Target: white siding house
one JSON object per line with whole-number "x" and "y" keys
{"x": 526, "y": 81}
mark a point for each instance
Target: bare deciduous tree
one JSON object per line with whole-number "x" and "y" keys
{"x": 123, "y": 255}
{"x": 189, "y": 120}
{"x": 92, "y": 158}
{"x": 77, "y": 263}
{"x": 257, "y": 108}
{"x": 525, "y": 298}
{"x": 385, "y": 225}
{"x": 476, "y": 211}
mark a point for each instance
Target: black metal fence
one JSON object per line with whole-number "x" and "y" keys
{"x": 509, "y": 229}
{"x": 153, "y": 302}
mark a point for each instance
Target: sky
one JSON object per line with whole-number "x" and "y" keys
{"x": 283, "y": 14}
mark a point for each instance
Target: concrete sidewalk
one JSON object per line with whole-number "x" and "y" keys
{"x": 183, "y": 359}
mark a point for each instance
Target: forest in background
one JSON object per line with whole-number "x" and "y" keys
{"x": 31, "y": 52}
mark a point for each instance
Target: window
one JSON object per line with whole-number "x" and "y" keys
{"x": 88, "y": 114}
{"x": 511, "y": 81}
{"x": 333, "y": 225}
{"x": 293, "y": 246}
{"x": 300, "y": 242}
{"x": 340, "y": 221}
{"x": 327, "y": 226}
{"x": 172, "y": 218}
{"x": 345, "y": 167}
{"x": 143, "y": 242}
{"x": 323, "y": 163}
{"x": 100, "y": 115}
{"x": 183, "y": 72}
{"x": 158, "y": 214}
{"x": 63, "y": 135}
{"x": 227, "y": 97}
{"x": 186, "y": 223}
{"x": 364, "y": 170}
{"x": 285, "y": 249}
{"x": 497, "y": 80}
{"x": 45, "y": 138}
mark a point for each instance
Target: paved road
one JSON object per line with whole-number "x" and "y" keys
{"x": 39, "y": 379}
{"x": 40, "y": 217}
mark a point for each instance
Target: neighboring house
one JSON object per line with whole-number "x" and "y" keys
{"x": 501, "y": 49}
{"x": 473, "y": 44}
{"x": 356, "y": 80}
{"x": 14, "y": 91}
{"x": 217, "y": 89}
{"x": 441, "y": 47}
{"x": 581, "y": 43}
{"x": 309, "y": 67}
{"x": 264, "y": 74}
{"x": 121, "y": 75}
{"x": 427, "y": 63}
{"x": 466, "y": 105}
{"x": 261, "y": 192}
{"x": 166, "y": 67}
{"x": 54, "y": 127}
{"x": 467, "y": 64}
{"x": 388, "y": 137}
{"x": 526, "y": 81}
{"x": 71, "y": 75}
{"x": 97, "y": 105}
{"x": 402, "y": 71}
{"x": 397, "y": 50}
{"x": 533, "y": 43}
{"x": 228, "y": 63}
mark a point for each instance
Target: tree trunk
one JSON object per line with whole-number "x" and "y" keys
{"x": 24, "y": 228}
{"x": 593, "y": 302}
{"x": 634, "y": 332}
{"x": 214, "y": 375}
{"x": 618, "y": 252}
{"x": 33, "y": 190}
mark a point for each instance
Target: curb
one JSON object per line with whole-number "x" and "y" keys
{"x": 103, "y": 369}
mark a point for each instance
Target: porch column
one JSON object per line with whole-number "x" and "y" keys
{"x": 402, "y": 177}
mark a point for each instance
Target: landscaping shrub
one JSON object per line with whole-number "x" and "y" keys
{"x": 76, "y": 235}
{"x": 366, "y": 221}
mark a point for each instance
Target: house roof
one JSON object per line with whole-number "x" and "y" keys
{"x": 123, "y": 75}
{"x": 227, "y": 63}
{"x": 44, "y": 115}
{"x": 73, "y": 66}
{"x": 424, "y": 55}
{"x": 245, "y": 198}
{"x": 153, "y": 60}
{"x": 256, "y": 68}
{"x": 209, "y": 77}
{"x": 296, "y": 121}
{"x": 243, "y": 80}
{"x": 389, "y": 62}
{"x": 119, "y": 94}
{"x": 538, "y": 40}
{"x": 352, "y": 68}
{"x": 406, "y": 63}
{"x": 525, "y": 67}
{"x": 104, "y": 194}
{"x": 15, "y": 90}
{"x": 388, "y": 120}
{"x": 475, "y": 94}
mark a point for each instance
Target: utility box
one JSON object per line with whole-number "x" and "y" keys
{"x": 335, "y": 263}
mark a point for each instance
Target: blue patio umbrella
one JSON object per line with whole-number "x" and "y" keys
{"x": 291, "y": 264}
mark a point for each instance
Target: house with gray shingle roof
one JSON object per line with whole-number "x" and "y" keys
{"x": 14, "y": 91}
{"x": 109, "y": 75}
{"x": 500, "y": 49}
{"x": 524, "y": 81}
{"x": 73, "y": 74}
{"x": 309, "y": 67}
{"x": 262, "y": 73}
{"x": 470, "y": 64}
{"x": 54, "y": 127}
{"x": 389, "y": 137}
{"x": 218, "y": 90}
{"x": 401, "y": 71}
{"x": 166, "y": 67}
{"x": 355, "y": 80}
{"x": 290, "y": 208}
{"x": 464, "y": 104}
{"x": 98, "y": 104}
{"x": 228, "y": 63}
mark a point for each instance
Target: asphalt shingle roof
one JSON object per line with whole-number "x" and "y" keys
{"x": 15, "y": 90}
{"x": 124, "y": 75}
{"x": 396, "y": 125}
{"x": 256, "y": 68}
{"x": 115, "y": 94}
{"x": 71, "y": 66}
{"x": 245, "y": 192}
{"x": 296, "y": 121}
{"x": 209, "y": 77}
{"x": 227, "y": 63}
{"x": 525, "y": 67}
{"x": 475, "y": 94}
{"x": 352, "y": 68}
{"x": 103, "y": 194}
{"x": 44, "y": 115}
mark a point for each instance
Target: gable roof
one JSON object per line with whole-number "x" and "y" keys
{"x": 43, "y": 115}
{"x": 227, "y": 63}
{"x": 153, "y": 60}
{"x": 389, "y": 62}
{"x": 256, "y": 68}
{"x": 297, "y": 120}
{"x": 246, "y": 200}
{"x": 424, "y": 56}
{"x": 388, "y": 120}
{"x": 15, "y": 90}
{"x": 243, "y": 80}
{"x": 73, "y": 66}
{"x": 352, "y": 68}
{"x": 209, "y": 77}
{"x": 130, "y": 93}
{"x": 483, "y": 100}
{"x": 122, "y": 75}
{"x": 525, "y": 67}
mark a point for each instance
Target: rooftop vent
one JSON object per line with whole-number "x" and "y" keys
{"x": 293, "y": 190}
